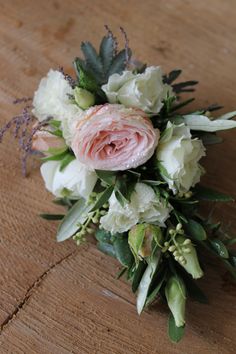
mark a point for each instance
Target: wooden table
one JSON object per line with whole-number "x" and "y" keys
{"x": 60, "y": 299}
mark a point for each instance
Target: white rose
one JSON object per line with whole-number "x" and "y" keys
{"x": 146, "y": 91}
{"x": 74, "y": 179}
{"x": 144, "y": 206}
{"x": 51, "y": 100}
{"x": 179, "y": 155}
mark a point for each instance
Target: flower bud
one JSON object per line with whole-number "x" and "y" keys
{"x": 83, "y": 98}
{"x": 192, "y": 265}
{"x": 143, "y": 238}
{"x": 176, "y": 298}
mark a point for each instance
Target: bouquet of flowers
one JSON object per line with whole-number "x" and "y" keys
{"x": 118, "y": 153}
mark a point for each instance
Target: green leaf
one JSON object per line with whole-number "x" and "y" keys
{"x": 196, "y": 230}
{"x": 175, "y": 333}
{"x": 106, "y": 52}
{"x": 108, "y": 177}
{"x": 52, "y": 216}
{"x": 172, "y": 76}
{"x": 54, "y": 123}
{"x": 119, "y": 63}
{"x": 151, "y": 297}
{"x": 58, "y": 157}
{"x": 103, "y": 198}
{"x": 204, "y": 193}
{"x": 219, "y": 248}
{"x": 182, "y": 104}
{"x": 210, "y": 138}
{"x": 138, "y": 275}
{"x": 93, "y": 61}
{"x": 120, "y": 198}
{"x": 63, "y": 201}
{"x": 122, "y": 250}
{"x": 107, "y": 248}
{"x": 146, "y": 281}
{"x": 66, "y": 161}
{"x": 103, "y": 236}
{"x": 78, "y": 214}
{"x": 193, "y": 289}
{"x": 86, "y": 79}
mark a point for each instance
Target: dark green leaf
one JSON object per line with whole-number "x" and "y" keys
{"x": 103, "y": 236}
{"x": 182, "y": 104}
{"x": 151, "y": 297}
{"x": 209, "y": 139}
{"x": 175, "y": 333}
{"x": 172, "y": 76}
{"x": 119, "y": 63}
{"x": 230, "y": 241}
{"x": 138, "y": 275}
{"x": 107, "y": 248}
{"x": 193, "y": 289}
{"x": 120, "y": 198}
{"x": 219, "y": 248}
{"x": 52, "y": 216}
{"x": 123, "y": 253}
{"x": 66, "y": 160}
{"x": 103, "y": 198}
{"x": 196, "y": 230}
{"x": 93, "y": 61}
{"x": 106, "y": 52}
{"x": 205, "y": 193}
{"x": 108, "y": 177}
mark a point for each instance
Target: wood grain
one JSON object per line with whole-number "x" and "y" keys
{"x": 56, "y": 298}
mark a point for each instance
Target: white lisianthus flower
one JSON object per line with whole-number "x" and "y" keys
{"x": 146, "y": 91}
{"x": 144, "y": 206}
{"x": 75, "y": 180}
{"x": 179, "y": 155}
{"x": 52, "y": 100}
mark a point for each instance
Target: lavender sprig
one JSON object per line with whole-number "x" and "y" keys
{"x": 22, "y": 131}
{"x": 67, "y": 77}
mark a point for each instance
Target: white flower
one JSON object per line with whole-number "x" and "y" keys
{"x": 146, "y": 91}
{"x": 179, "y": 155}
{"x": 143, "y": 207}
{"x": 75, "y": 179}
{"x": 51, "y": 100}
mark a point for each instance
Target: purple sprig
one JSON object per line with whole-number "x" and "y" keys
{"x": 127, "y": 51}
{"x": 68, "y": 78}
{"x": 115, "y": 42}
{"x": 22, "y": 131}
{"x": 27, "y": 144}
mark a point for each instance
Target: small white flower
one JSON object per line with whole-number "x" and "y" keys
{"x": 74, "y": 179}
{"x": 52, "y": 100}
{"x": 143, "y": 207}
{"x": 179, "y": 155}
{"x": 146, "y": 91}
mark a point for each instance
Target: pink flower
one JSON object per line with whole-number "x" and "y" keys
{"x": 112, "y": 137}
{"x": 42, "y": 141}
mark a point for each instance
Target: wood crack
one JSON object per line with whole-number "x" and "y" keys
{"x": 30, "y": 291}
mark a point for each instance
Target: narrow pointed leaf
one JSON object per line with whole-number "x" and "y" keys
{"x": 75, "y": 216}
{"x": 175, "y": 333}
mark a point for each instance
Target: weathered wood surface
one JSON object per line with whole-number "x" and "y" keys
{"x": 56, "y": 298}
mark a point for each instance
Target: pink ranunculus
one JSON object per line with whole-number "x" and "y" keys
{"x": 43, "y": 140}
{"x": 112, "y": 137}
